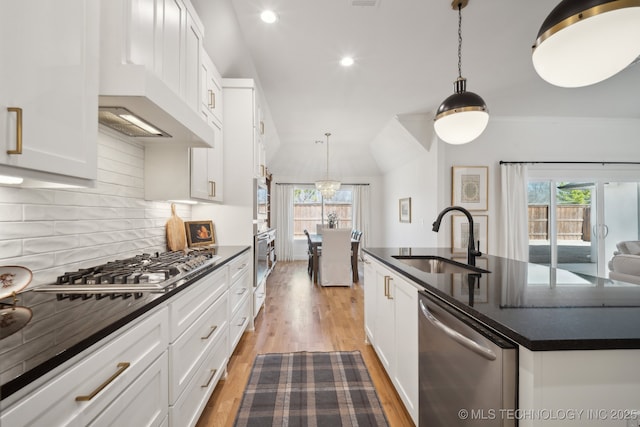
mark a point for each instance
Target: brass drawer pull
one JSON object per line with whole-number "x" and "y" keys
{"x": 244, "y": 319}
{"x": 389, "y": 287}
{"x": 18, "y": 112}
{"x": 213, "y": 328}
{"x": 212, "y": 189}
{"x": 213, "y": 374}
{"x": 386, "y": 286}
{"x": 121, "y": 368}
{"x": 242, "y": 291}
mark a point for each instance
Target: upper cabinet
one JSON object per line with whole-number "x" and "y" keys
{"x": 48, "y": 90}
{"x": 150, "y": 65}
{"x": 211, "y": 87}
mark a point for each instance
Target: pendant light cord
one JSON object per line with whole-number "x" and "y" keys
{"x": 459, "y": 40}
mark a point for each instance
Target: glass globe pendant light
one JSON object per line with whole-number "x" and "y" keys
{"x": 583, "y": 42}
{"x": 327, "y": 187}
{"x": 463, "y": 116}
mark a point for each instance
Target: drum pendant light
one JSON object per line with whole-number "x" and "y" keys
{"x": 583, "y": 42}
{"x": 463, "y": 116}
{"x": 327, "y": 187}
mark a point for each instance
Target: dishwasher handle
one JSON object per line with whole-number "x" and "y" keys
{"x": 457, "y": 336}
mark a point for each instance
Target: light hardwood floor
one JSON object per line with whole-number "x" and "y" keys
{"x": 298, "y": 316}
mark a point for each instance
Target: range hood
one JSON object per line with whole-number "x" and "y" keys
{"x": 132, "y": 89}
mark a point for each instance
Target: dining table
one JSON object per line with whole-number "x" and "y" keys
{"x": 316, "y": 244}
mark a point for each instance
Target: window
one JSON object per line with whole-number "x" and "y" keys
{"x": 310, "y": 210}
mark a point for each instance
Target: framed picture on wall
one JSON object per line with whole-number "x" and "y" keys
{"x": 460, "y": 232}
{"x": 405, "y": 209}
{"x": 199, "y": 233}
{"x": 469, "y": 187}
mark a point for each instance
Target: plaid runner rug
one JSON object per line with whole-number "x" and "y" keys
{"x": 310, "y": 389}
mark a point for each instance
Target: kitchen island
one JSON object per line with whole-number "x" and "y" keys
{"x": 578, "y": 336}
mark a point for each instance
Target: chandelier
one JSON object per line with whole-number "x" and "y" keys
{"x": 327, "y": 187}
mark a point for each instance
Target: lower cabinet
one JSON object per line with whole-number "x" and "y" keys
{"x": 92, "y": 389}
{"x": 391, "y": 327}
{"x": 159, "y": 371}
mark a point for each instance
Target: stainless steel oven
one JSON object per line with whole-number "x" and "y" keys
{"x": 467, "y": 373}
{"x": 264, "y": 255}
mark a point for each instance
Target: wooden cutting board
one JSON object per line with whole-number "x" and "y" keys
{"x": 176, "y": 235}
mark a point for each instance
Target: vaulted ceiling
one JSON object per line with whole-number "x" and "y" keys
{"x": 406, "y": 58}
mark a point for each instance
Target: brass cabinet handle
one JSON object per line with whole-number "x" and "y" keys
{"x": 386, "y": 286}
{"x": 212, "y": 189}
{"x": 242, "y": 291}
{"x": 389, "y": 288}
{"x": 244, "y": 319}
{"x": 261, "y": 127}
{"x": 213, "y": 328}
{"x": 213, "y": 374}
{"x": 212, "y": 99}
{"x": 121, "y": 368}
{"x": 18, "y": 112}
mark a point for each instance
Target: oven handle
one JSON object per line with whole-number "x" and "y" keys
{"x": 457, "y": 336}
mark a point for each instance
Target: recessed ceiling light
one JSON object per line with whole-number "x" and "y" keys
{"x": 269, "y": 16}
{"x": 347, "y": 61}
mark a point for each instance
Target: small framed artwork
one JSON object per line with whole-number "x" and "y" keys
{"x": 469, "y": 187}
{"x": 473, "y": 287}
{"x": 405, "y": 210}
{"x": 199, "y": 233}
{"x": 460, "y": 233}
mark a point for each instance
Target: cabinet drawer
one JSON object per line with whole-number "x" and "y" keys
{"x": 187, "y": 352}
{"x": 187, "y": 410}
{"x": 190, "y": 304}
{"x": 144, "y": 403}
{"x": 239, "y": 322}
{"x": 238, "y": 291}
{"x": 56, "y": 401}
{"x": 238, "y": 266}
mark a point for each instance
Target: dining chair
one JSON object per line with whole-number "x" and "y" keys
{"x": 309, "y": 253}
{"x": 335, "y": 264}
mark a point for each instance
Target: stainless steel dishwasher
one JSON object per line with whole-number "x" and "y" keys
{"x": 467, "y": 373}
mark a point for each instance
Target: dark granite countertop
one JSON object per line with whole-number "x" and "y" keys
{"x": 60, "y": 329}
{"x": 538, "y": 307}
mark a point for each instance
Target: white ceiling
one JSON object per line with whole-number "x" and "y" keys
{"x": 406, "y": 62}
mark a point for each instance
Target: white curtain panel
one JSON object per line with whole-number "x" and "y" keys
{"x": 362, "y": 212}
{"x": 514, "y": 228}
{"x": 284, "y": 221}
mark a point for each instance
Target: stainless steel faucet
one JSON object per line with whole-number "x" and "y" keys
{"x": 472, "y": 253}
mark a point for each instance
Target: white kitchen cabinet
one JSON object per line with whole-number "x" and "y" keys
{"x": 75, "y": 396}
{"x": 240, "y": 298}
{"x": 207, "y": 170}
{"x": 211, "y": 99}
{"x": 49, "y": 90}
{"x": 193, "y": 64}
{"x": 391, "y": 325}
{"x": 184, "y": 173}
{"x": 144, "y": 403}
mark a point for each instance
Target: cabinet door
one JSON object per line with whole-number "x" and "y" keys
{"x": 370, "y": 295}
{"x": 49, "y": 70}
{"x": 206, "y": 170}
{"x": 173, "y": 25}
{"x": 211, "y": 89}
{"x": 193, "y": 48}
{"x": 144, "y": 403}
{"x": 405, "y": 373}
{"x": 385, "y": 319}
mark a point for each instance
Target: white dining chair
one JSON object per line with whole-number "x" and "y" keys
{"x": 335, "y": 263}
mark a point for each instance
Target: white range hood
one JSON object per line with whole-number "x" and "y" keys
{"x": 134, "y": 88}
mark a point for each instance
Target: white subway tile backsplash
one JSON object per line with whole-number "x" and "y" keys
{"x": 53, "y": 231}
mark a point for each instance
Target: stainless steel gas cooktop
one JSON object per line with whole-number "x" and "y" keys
{"x": 131, "y": 276}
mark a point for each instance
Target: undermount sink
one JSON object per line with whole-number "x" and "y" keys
{"x": 434, "y": 264}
